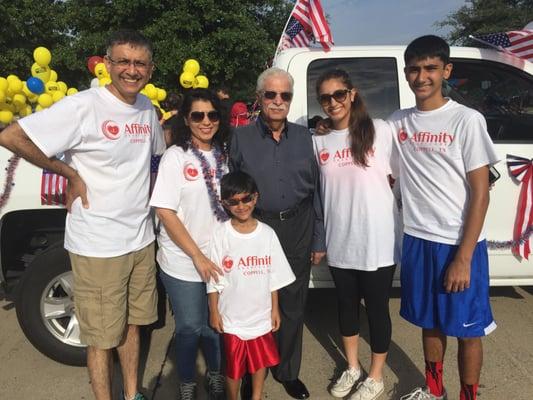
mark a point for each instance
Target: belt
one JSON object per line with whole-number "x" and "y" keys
{"x": 285, "y": 214}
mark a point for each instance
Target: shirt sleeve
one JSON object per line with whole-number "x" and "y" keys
{"x": 214, "y": 255}
{"x": 477, "y": 147}
{"x": 158, "y": 138}
{"x": 281, "y": 274}
{"x": 56, "y": 129}
{"x": 167, "y": 189}
{"x": 319, "y": 232}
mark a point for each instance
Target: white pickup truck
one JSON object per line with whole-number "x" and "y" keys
{"x": 34, "y": 267}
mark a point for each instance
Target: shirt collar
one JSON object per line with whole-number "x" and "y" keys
{"x": 266, "y": 131}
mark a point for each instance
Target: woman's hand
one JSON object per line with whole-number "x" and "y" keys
{"x": 206, "y": 268}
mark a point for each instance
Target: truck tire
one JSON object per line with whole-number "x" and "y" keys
{"x": 45, "y": 308}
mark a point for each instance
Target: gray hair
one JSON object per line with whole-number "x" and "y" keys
{"x": 128, "y": 36}
{"x": 270, "y": 73}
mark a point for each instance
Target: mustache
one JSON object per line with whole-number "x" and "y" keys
{"x": 281, "y": 107}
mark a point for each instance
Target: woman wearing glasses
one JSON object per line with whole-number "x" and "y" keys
{"x": 360, "y": 216}
{"x": 186, "y": 200}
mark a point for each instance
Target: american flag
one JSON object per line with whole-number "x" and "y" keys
{"x": 154, "y": 167}
{"x": 306, "y": 23}
{"x": 519, "y": 43}
{"x": 53, "y": 189}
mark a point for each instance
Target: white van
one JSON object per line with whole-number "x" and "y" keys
{"x": 497, "y": 84}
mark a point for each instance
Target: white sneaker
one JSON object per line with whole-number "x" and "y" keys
{"x": 422, "y": 394}
{"x": 345, "y": 383}
{"x": 369, "y": 389}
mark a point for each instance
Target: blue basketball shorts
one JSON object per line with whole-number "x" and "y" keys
{"x": 426, "y": 303}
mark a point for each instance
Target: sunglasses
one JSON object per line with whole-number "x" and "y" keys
{"x": 339, "y": 96}
{"x": 235, "y": 202}
{"x": 271, "y": 95}
{"x": 198, "y": 116}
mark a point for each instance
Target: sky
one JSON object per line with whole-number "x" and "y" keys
{"x": 365, "y": 22}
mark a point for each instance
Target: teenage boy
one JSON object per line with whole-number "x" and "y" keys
{"x": 243, "y": 305}
{"x": 444, "y": 157}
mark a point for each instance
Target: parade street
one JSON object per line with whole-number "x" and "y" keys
{"x": 26, "y": 374}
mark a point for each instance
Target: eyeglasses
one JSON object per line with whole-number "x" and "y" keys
{"x": 125, "y": 63}
{"x": 198, "y": 116}
{"x": 338, "y": 95}
{"x": 234, "y": 202}
{"x": 271, "y": 95}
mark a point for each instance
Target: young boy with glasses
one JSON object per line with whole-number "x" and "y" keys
{"x": 243, "y": 305}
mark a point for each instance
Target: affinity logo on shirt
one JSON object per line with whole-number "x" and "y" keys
{"x": 254, "y": 265}
{"x": 426, "y": 141}
{"x": 323, "y": 156}
{"x": 111, "y": 130}
{"x": 190, "y": 172}
{"x": 341, "y": 158}
{"x": 227, "y": 263}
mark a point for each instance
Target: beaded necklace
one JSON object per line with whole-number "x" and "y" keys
{"x": 210, "y": 180}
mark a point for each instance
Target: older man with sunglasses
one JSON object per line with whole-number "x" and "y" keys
{"x": 107, "y": 135}
{"x": 279, "y": 156}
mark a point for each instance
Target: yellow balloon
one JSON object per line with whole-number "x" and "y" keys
{"x": 202, "y": 81}
{"x": 6, "y": 117}
{"x": 151, "y": 91}
{"x": 72, "y": 91}
{"x": 42, "y": 56}
{"x": 104, "y": 81}
{"x": 3, "y": 84}
{"x": 2, "y": 96}
{"x": 11, "y": 78}
{"x": 19, "y": 100}
{"x": 25, "y": 111}
{"x": 161, "y": 94}
{"x": 57, "y": 95}
{"x": 186, "y": 79}
{"x": 25, "y": 90}
{"x": 32, "y": 98}
{"x": 155, "y": 103}
{"x": 45, "y": 100}
{"x": 100, "y": 71}
{"x": 43, "y": 73}
{"x": 50, "y": 87}
{"x": 15, "y": 85}
{"x": 53, "y": 76}
{"x": 62, "y": 86}
{"x": 192, "y": 66}
{"x": 38, "y": 107}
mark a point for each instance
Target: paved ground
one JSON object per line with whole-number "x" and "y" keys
{"x": 26, "y": 374}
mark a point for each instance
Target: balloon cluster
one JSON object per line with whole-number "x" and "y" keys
{"x": 189, "y": 78}
{"x": 96, "y": 66}
{"x": 155, "y": 94}
{"x": 40, "y": 91}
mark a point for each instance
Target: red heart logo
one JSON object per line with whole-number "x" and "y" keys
{"x": 324, "y": 156}
{"x": 227, "y": 263}
{"x": 402, "y": 135}
{"x": 113, "y": 129}
{"x": 192, "y": 172}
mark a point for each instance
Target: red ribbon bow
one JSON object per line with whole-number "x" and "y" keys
{"x": 522, "y": 170}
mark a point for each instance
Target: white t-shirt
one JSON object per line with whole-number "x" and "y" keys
{"x": 361, "y": 217}
{"x": 254, "y": 266}
{"x": 436, "y": 150}
{"x": 109, "y": 143}
{"x": 180, "y": 186}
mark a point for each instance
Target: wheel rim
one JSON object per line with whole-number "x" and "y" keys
{"x": 57, "y": 310}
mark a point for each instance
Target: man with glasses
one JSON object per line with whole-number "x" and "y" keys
{"x": 279, "y": 156}
{"x": 108, "y": 136}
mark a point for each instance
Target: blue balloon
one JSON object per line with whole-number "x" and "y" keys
{"x": 35, "y": 85}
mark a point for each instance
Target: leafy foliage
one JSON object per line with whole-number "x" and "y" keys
{"x": 232, "y": 39}
{"x": 479, "y": 17}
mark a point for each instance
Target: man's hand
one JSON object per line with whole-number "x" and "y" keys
{"x": 76, "y": 188}
{"x": 457, "y": 276}
{"x": 276, "y": 319}
{"x": 206, "y": 268}
{"x": 317, "y": 256}
{"x": 323, "y": 127}
{"x": 215, "y": 320}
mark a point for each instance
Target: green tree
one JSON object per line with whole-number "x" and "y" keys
{"x": 479, "y": 17}
{"x": 232, "y": 39}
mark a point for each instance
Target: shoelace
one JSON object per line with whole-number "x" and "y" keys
{"x": 417, "y": 394}
{"x": 216, "y": 383}
{"x": 367, "y": 387}
{"x": 346, "y": 377}
{"x": 187, "y": 391}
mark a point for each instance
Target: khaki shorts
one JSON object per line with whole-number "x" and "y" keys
{"x": 110, "y": 293}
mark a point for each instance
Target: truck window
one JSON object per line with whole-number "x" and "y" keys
{"x": 375, "y": 78}
{"x": 503, "y": 94}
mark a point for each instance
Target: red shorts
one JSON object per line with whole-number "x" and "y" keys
{"x": 249, "y": 355}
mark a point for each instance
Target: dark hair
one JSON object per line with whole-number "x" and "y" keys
{"x": 235, "y": 183}
{"x": 128, "y": 36}
{"x": 360, "y": 126}
{"x": 181, "y": 133}
{"x": 173, "y": 101}
{"x": 427, "y": 46}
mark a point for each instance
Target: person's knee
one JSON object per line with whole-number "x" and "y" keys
{"x": 469, "y": 341}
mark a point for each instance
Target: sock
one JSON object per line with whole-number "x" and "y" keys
{"x": 434, "y": 378}
{"x": 468, "y": 392}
